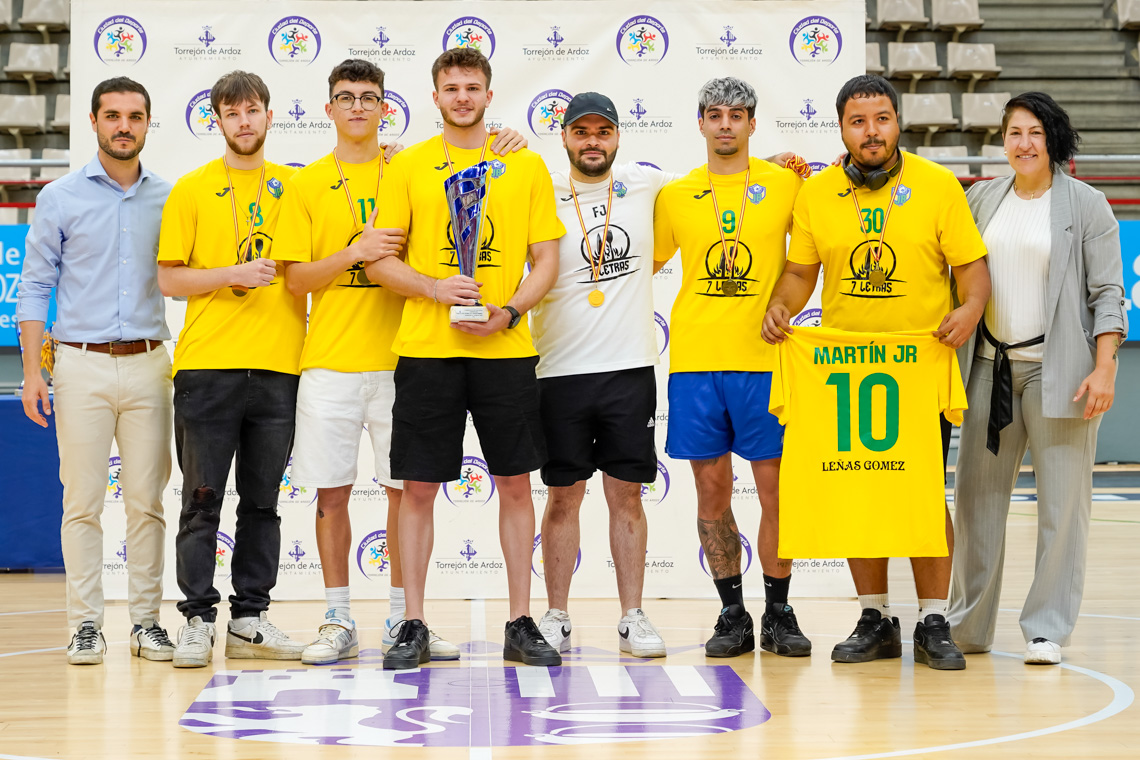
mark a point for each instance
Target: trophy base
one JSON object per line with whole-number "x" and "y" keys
{"x": 478, "y": 313}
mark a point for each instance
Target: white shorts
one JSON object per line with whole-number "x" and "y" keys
{"x": 333, "y": 409}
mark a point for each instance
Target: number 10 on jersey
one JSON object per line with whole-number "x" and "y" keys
{"x": 866, "y": 411}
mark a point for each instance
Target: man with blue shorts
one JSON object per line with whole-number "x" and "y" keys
{"x": 729, "y": 218}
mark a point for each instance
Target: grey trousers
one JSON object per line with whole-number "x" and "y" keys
{"x": 1063, "y": 451}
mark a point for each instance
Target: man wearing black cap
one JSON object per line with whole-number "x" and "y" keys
{"x": 595, "y": 336}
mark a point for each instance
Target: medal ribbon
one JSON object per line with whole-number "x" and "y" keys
{"x": 878, "y": 252}
{"x": 252, "y": 215}
{"x": 344, "y": 184}
{"x": 595, "y": 270}
{"x": 730, "y": 260}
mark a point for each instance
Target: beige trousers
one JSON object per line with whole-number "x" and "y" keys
{"x": 129, "y": 399}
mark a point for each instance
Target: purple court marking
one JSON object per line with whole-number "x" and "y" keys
{"x": 475, "y": 707}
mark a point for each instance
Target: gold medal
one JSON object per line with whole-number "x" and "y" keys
{"x": 728, "y": 260}
{"x": 597, "y": 298}
{"x": 728, "y": 287}
{"x": 877, "y": 277}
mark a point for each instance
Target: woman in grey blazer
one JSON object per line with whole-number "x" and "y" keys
{"x": 1040, "y": 373}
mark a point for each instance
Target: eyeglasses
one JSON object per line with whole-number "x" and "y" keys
{"x": 346, "y": 100}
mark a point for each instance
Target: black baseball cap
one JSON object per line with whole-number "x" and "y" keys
{"x": 589, "y": 103}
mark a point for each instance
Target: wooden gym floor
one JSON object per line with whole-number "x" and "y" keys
{"x": 598, "y": 705}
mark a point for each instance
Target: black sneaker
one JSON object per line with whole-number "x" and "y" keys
{"x": 781, "y": 634}
{"x": 933, "y": 645}
{"x": 412, "y": 647}
{"x": 732, "y": 635}
{"x": 523, "y": 642}
{"x": 875, "y": 638}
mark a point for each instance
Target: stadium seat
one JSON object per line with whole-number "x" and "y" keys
{"x": 61, "y": 122}
{"x": 33, "y": 62}
{"x": 874, "y": 59}
{"x": 903, "y": 15}
{"x": 935, "y": 152}
{"x": 971, "y": 61}
{"x": 23, "y": 114}
{"x": 1128, "y": 14}
{"x": 5, "y": 15}
{"x": 959, "y": 15}
{"x": 912, "y": 59}
{"x": 46, "y": 16}
{"x": 981, "y": 111}
{"x": 927, "y": 112}
{"x": 15, "y": 173}
{"x": 995, "y": 170}
{"x": 55, "y": 172}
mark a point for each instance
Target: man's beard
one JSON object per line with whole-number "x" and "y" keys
{"x": 106, "y": 145}
{"x": 879, "y": 163}
{"x": 242, "y": 151}
{"x": 594, "y": 170}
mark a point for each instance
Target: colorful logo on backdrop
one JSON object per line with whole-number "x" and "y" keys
{"x": 745, "y": 556}
{"x": 662, "y": 333}
{"x": 808, "y": 318}
{"x": 372, "y": 555}
{"x": 475, "y": 485}
{"x": 223, "y": 556}
{"x": 200, "y": 117}
{"x": 474, "y": 707}
{"x": 296, "y": 494}
{"x": 556, "y": 47}
{"x": 394, "y": 116}
{"x": 642, "y": 39}
{"x": 536, "y": 563}
{"x": 729, "y": 46}
{"x": 546, "y": 111}
{"x": 817, "y": 166}
{"x": 470, "y": 32}
{"x": 655, "y": 492}
{"x": 114, "y": 474}
{"x": 815, "y": 40}
{"x": 120, "y": 39}
{"x": 294, "y": 39}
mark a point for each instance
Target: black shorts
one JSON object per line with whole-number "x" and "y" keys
{"x": 946, "y": 430}
{"x": 429, "y": 416}
{"x": 600, "y": 421}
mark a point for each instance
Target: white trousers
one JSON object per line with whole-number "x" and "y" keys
{"x": 128, "y": 399}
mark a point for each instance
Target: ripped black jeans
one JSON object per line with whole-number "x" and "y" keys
{"x": 220, "y": 413}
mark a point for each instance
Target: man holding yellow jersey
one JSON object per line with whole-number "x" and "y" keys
{"x": 730, "y": 220}
{"x": 236, "y": 367}
{"x": 444, "y": 368}
{"x": 887, "y": 280}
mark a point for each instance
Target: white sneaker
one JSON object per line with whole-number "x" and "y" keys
{"x": 87, "y": 645}
{"x": 151, "y": 642}
{"x": 336, "y": 640}
{"x": 1042, "y": 652}
{"x": 555, "y": 628}
{"x": 258, "y": 639}
{"x": 440, "y": 648}
{"x": 195, "y": 644}
{"x": 637, "y": 636}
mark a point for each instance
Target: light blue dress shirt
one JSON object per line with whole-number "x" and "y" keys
{"x": 98, "y": 245}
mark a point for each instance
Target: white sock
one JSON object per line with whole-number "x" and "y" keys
{"x": 879, "y": 602}
{"x": 337, "y": 600}
{"x": 932, "y": 607}
{"x": 396, "y": 606}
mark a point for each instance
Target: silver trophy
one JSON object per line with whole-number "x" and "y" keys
{"x": 466, "y": 193}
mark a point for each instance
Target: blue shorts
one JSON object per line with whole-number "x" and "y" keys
{"x": 713, "y": 413}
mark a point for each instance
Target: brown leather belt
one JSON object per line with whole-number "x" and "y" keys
{"x": 119, "y": 347}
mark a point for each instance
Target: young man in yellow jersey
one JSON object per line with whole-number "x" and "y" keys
{"x": 730, "y": 219}
{"x": 236, "y": 368}
{"x": 447, "y": 368}
{"x": 328, "y": 222}
{"x": 886, "y": 280}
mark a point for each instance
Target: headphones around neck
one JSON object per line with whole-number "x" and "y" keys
{"x": 876, "y": 179}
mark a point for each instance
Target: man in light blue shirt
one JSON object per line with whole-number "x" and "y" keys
{"x": 94, "y": 241}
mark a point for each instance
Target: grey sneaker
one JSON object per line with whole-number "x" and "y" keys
{"x": 151, "y": 642}
{"x": 258, "y": 639}
{"x": 87, "y": 645}
{"x": 195, "y": 644}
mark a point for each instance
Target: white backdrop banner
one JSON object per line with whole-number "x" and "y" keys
{"x": 649, "y": 57}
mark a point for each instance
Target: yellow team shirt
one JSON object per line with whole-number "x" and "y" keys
{"x": 520, "y": 212}
{"x": 929, "y": 227}
{"x": 862, "y": 472}
{"x": 352, "y": 320}
{"x": 718, "y": 315}
{"x": 263, "y": 329}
